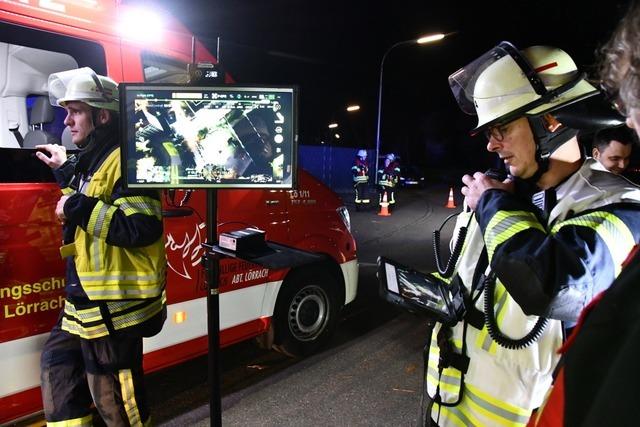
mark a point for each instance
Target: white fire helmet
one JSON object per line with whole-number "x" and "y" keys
{"x": 83, "y": 84}
{"x": 391, "y": 157}
{"x": 362, "y": 154}
{"x": 505, "y": 84}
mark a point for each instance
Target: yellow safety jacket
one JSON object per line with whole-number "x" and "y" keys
{"x": 593, "y": 225}
{"x": 125, "y": 284}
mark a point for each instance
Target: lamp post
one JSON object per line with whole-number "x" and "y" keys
{"x": 421, "y": 40}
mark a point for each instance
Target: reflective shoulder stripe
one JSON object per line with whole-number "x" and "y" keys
{"x": 75, "y": 422}
{"x": 506, "y": 224}
{"x": 610, "y": 228}
{"x": 100, "y": 220}
{"x": 139, "y": 205}
{"x": 129, "y": 397}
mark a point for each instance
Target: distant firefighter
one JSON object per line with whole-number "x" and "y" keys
{"x": 360, "y": 171}
{"x": 388, "y": 177}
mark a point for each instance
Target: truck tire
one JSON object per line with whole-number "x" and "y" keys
{"x": 306, "y": 312}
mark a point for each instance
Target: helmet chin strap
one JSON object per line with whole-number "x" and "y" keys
{"x": 88, "y": 143}
{"x": 547, "y": 142}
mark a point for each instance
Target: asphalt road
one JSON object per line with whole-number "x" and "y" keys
{"x": 370, "y": 375}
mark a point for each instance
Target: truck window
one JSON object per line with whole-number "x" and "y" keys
{"x": 29, "y": 56}
{"x": 160, "y": 69}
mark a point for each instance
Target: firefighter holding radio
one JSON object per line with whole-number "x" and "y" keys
{"x": 541, "y": 242}
{"x": 115, "y": 265}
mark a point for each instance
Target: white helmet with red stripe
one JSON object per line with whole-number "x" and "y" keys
{"x": 504, "y": 84}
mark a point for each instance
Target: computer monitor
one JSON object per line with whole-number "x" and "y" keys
{"x": 176, "y": 136}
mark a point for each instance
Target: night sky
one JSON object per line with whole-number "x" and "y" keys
{"x": 332, "y": 50}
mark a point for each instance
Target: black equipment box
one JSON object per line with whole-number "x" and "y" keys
{"x": 245, "y": 240}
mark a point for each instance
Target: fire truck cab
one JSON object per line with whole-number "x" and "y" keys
{"x": 300, "y": 306}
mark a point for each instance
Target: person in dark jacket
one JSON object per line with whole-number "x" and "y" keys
{"x": 388, "y": 176}
{"x": 360, "y": 172}
{"x": 115, "y": 266}
{"x": 597, "y": 380}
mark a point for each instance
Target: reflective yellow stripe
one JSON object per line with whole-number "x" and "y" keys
{"x": 100, "y": 220}
{"x": 484, "y": 340}
{"x": 456, "y": 416}
{"x": 501, "y": 412}
{"x": 85, "y": 315}
{"x": 121, "y": 285}
{"x": 446, "y": 382}
{"x": 88, "y": 333}
{"x": 450, "y": 378}
{"x": 506, "y": 224}
{"x": 96, "y": 256}
{"x": 68, "y": 191}
{"x": 139, "y": 205}
{"x": 84, "y": 421}
{"x": 138, "y": 316}
{"x": 129, "y": 397}
{"x": 610, "y": 228}
{"x": 444, "y": 279}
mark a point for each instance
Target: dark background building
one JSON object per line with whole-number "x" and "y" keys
{"x": 332, "y": 49}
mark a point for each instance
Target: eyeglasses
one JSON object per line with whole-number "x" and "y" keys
{"x": 496, "y": 132}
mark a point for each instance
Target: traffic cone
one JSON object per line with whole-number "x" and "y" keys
{"x": 384, "y": 206}
{"x": 451, "y": 204}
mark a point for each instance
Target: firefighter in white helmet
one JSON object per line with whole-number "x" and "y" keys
{"x": 115, "y": 265}
{"x": 360, "y": 172}
{"x": 388, "y": 176}
{"x": 542, "y": 242}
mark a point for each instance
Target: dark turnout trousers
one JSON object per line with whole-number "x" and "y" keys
{"x": 106, "y": 371}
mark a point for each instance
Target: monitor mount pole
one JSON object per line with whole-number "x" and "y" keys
{"x": 212, "y": 261}
{"x": 198, "y": 75}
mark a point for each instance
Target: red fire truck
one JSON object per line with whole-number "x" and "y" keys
{"x": 300, "y": 306}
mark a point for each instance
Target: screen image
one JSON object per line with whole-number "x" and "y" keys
{"x": 208, "y": 137}
{"x": 415, "y": 287}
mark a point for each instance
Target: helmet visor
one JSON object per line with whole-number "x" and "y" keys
{"x": 463, "y": 81}
{"x": 58, "y": 83}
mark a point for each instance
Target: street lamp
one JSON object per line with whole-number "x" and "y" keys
{"x": 422, "y": 40}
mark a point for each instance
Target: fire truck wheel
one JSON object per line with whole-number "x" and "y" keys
{"x": 306, "y": 312}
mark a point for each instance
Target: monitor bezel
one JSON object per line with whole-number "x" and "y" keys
{"x": 124, "y": 136}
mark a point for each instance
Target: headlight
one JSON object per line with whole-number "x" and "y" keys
{"x": 344, "y": 216}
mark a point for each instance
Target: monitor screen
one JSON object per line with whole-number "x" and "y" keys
{"x": 415, "y": 287}
{"x": 177, "y": 136}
